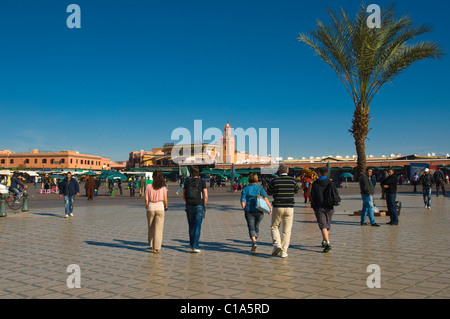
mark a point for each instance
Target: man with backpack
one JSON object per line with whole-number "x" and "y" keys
{"x": 324, "y": 196}
{"x": 195, "y": 195}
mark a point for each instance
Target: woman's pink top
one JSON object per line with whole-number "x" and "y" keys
{"x": 155, "y": 195}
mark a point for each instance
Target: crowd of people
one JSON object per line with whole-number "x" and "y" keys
{"x": 316, "y": 186}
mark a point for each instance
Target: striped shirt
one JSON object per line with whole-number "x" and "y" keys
{"x": 283, "y": 188}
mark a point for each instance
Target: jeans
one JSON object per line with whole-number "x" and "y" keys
{"x": 427, "y": 196}
{"x": 16, "y": 192}
{"x": 367, "y": 209}
{"x": 392, "y": 207}
{"x": 195, "y": 218}
{"x": 68, "y": 202}
{"x": 253, "y": 220}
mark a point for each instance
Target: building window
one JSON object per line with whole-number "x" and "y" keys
{"x": 27, "y": 161}
{"x": 63, "y": 160}
{"x": 3, "y": 161}
{"x": 11, "y": 161}
{"x": 35, "y": 161}
{"x": 52, "y": 161}
{"x": 44, "y": 161}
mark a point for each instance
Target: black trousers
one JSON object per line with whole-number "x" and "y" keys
{"x": 440, "y": 186}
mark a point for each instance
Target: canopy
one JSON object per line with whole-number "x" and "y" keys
{"x": 57, "y": 176}
{"x": 243, "y": 180}
{"x": 346, "y": 175}
{"x": 112, "y": 175}
{"x": 89, "y": 173}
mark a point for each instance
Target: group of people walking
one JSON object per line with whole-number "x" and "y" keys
{"x": 323, "y": 197}
{"x": 282, "y": 188}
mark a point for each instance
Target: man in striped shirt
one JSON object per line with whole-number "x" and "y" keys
{"x": 282, "y": 188}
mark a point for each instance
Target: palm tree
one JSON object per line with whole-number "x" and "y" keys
{"x": 367, "y": 58}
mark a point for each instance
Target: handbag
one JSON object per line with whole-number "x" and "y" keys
{"x": 261, "y": 204}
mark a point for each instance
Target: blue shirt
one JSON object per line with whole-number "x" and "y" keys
{"x": 248, "y": 196}
{"x": 15, "y": 182}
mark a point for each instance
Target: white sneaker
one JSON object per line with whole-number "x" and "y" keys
{"x": 196, "y": 251}
{"x": 71, "y": 214}
{"x": 65, "y": 216}
{"x": 284, "y": 255}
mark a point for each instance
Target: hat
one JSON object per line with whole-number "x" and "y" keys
{"x": 283, "y": 169}
{"x": 427, "y": 169}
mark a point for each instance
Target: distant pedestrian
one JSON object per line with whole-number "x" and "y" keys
{"x": 390, "y": 188}
{"x": 156, "y": 205}
{"x": 383, "y": 177}
{"x": 69, "y": 188}
{"x": 131, "y": 186}
{"x": 323, "y": 205}
{"x": 306, "y": 186}
{"x": 142, "y": 186}
{"x": 415, "y": 181}
{"x": 427, "y": 182}
{"x": 248, "y": 202}
{"x": 181, "y": 184}
{"x": 97, "y": 186}
{"x": 90, "y": 187}
{"x": 119, "y": 186}
{"x": 195, "y": 195}
{"x": 282, "y": 188}
{"x": 440, "y": 180}
{"x": 367, "y": 191}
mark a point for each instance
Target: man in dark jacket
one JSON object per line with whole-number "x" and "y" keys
{"x": 69, "y": 188}
{"x": 367, "y": 190}
{"x": 322, "y": 211}
{"x": 390, "y": 189}
{"x": 427, "y": 182}
{"x": 440, "y": 180}
{"x": 15, "y": 183}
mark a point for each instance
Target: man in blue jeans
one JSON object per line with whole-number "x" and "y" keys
{"x": 367, "y": 190}
{"x": 427, "y": 182}
{"x": 15, "y": 183}
{"x": 195, "y": 195}
{"x": 69, "y": 188}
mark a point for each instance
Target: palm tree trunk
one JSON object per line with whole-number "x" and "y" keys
{"x": 360, "y": 130}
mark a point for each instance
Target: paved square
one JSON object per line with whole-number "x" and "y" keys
{"x": 107, "y": 238}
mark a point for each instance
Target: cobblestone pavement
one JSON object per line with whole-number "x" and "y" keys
{"x": 109, "y": 243}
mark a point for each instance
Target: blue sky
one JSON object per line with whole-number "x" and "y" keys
{"x": 137, "y": 70}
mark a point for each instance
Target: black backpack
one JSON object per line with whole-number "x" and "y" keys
{"x": 331, "y": 196}
{"x": 193, "y": 194}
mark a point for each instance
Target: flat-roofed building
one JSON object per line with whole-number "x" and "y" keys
{"x": 52, "y": 160}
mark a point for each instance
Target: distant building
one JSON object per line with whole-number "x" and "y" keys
{"x": 53, "y": 160}
{"x": 227, "y": 146}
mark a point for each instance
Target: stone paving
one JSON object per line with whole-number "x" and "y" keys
{"x": 109, "y": 244}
